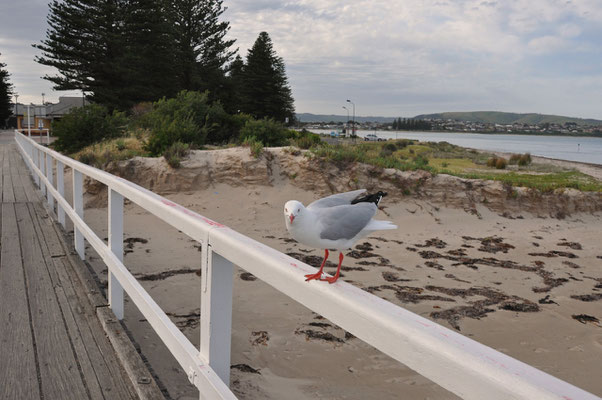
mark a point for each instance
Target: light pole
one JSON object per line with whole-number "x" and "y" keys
{"x": 16, "y": 111}
{"x": 346, "y": 122}
{"x": 43, "y": 94}
{"x": 353, "y": 125}
{"x": 28, "y": 121}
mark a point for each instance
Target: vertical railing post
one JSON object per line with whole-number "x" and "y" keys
{"x": 36, "y": 161}
{"x": 60, "y": 186}
{"x": 78, "y": 207}
{"x": 50, "y": 177}
{"x": 116, "y": 246}
{"x": 216, "y": 312}
{"x": 42, "y": 166}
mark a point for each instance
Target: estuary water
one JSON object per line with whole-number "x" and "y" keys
{"x": 582, "y": 149}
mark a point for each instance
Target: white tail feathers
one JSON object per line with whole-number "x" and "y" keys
{"x": 376, "y": 225}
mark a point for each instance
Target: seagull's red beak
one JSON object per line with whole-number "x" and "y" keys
{"x": 292, "y": 217}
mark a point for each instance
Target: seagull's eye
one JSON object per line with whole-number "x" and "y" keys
{"x": 285, "y": 210}
{"x": 298, "y": 210}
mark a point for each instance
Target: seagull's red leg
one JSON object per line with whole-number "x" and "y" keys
{"x": 318, "y": 275}
{"x": 336, "y": 276}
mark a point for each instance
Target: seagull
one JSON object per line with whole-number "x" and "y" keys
{"x": 334, "y": 222}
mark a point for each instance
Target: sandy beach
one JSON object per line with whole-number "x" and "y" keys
{"x": 525, "y": 283}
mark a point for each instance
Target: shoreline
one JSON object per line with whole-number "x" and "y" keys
{"x": 325, "y": 135}
{"x": 591, "y": 169}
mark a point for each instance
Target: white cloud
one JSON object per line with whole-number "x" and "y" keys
{"x": 395, "y": 57}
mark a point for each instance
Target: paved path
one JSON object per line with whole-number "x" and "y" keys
{"x": 52, "y": 345}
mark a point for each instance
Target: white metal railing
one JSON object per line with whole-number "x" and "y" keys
{"x": 457, "y": 363}
{"x": 28, "y": 129}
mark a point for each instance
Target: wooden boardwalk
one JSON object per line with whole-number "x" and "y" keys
{"x": 52, "y": 345}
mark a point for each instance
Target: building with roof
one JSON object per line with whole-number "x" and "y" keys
{"x": 38, "y": 118}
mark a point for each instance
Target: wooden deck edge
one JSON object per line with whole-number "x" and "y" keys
{"x": 141, "y": 378}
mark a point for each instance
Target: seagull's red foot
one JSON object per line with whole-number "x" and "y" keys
{"x": 330, "y": 279}
{"x": 334, "y": 278}
{"x": 310, "y": 277}
{"x": 318, "y": 275}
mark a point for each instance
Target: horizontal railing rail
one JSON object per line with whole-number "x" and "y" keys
{"x": 455, "y": 362}
{"x": 37, "y": 131}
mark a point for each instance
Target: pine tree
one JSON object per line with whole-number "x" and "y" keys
{"x": 265, "y": 90}
{"x": 84, "y": 43}
{"x": 203, "y": 53}
{"x": 148, "y": 53}
{"x": 6, "y": 90}
{"x": 233, "y": 89}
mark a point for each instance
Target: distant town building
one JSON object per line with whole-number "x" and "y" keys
{"x": 40, "y": 117}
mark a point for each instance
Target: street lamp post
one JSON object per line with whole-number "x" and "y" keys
{"x": 353, "y": 124}
{"x": 28, "y": 121}
{"x": 43, "y": 94}
{"x": 16, "y": 111}
{"x": 346, "y": 122}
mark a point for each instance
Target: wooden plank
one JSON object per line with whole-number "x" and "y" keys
{"x": 28, "y": 187}
{"x": 101, "y": 370}
{"x": 18, "y": 189}
{"x": 51, "y": 242}
{"x": 18, "y": 373}
{"x": 8, "y": 195}
{"x": 5, "y": 161}
{"x": 59, "y": 369}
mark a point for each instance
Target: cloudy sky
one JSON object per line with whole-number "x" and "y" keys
{"x": 394, "y": 58}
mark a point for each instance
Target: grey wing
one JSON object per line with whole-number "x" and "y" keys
{"x": 345, "y": 222}
{"x": 336, "y": 199}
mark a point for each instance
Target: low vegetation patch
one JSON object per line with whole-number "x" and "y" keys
{"x": 443, "y": 157}
{"x": 254, "y": 145}
{"x": 123, "y": 148}
{"x": 520, "y": 159}
{"x": 175, "y": 153}
{"x": 376, "y": 154}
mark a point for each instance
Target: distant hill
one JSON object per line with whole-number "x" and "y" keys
{"x": 496, "y": 117}
{"x": 306, "y": 117}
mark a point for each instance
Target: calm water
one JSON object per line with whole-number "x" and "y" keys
{"x": 561, "y": 147}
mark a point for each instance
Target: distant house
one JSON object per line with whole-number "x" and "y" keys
{"x": 40, "y": 117}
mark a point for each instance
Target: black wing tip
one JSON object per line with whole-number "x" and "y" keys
{"x": 370, "y": 198}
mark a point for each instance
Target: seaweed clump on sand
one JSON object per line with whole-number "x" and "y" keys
{"x": 479, "y": 308}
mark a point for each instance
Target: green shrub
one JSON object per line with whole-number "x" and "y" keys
{"x": 254, "y": 145}
{"x": 403, "y": 143}
{"x": 390, "y": 147}
{"x": 514, "y": 159}
{"x": 304, "y": 139}
{"x": 120, "y": 144}
{"x": 266, "y": 131}
{"x": 520, "y": 159}
{"x": 491, "y": 162}
{"x": 87, "y": 158}
{"x": 188, "y": 118}
{"x": 86, "y": 125}
{"x": 175, "y": 153}
{"x": 524, "y": 160}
